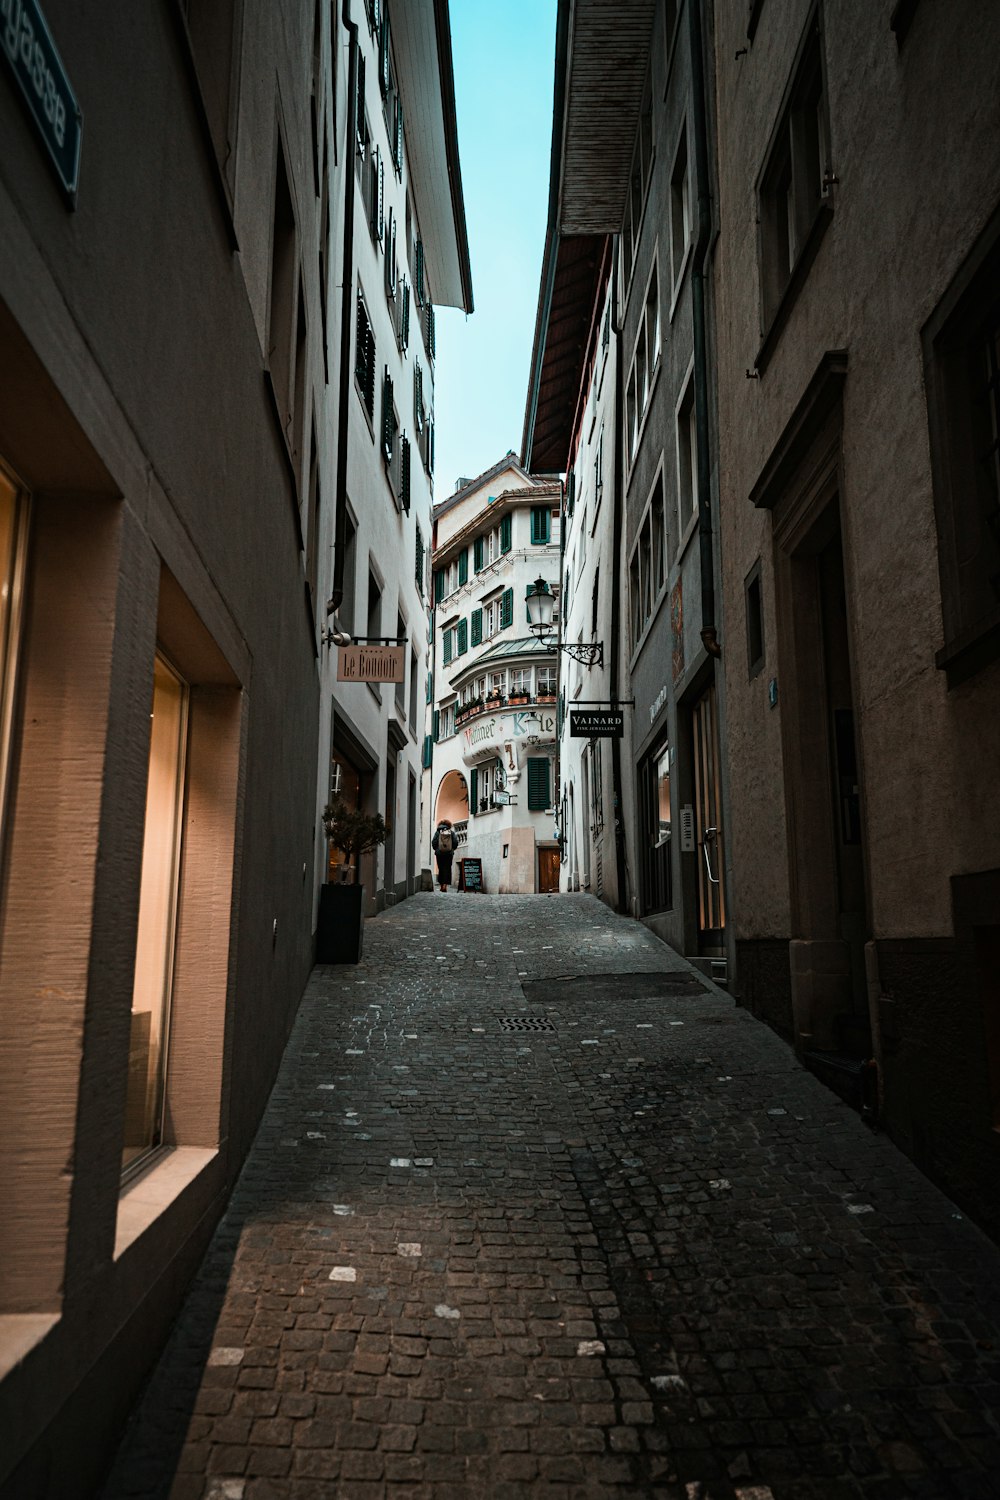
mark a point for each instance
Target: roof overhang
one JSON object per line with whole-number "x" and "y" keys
{"x": 507, "y": 500}
{"x": 602, "y": 62}
{"x": 426, "y": 79}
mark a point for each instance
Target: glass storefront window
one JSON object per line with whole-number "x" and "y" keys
{"x": 154, "y": 958}
{"x": 347, "y": 779}
{"x": 663, "y": 795}
{"x": 13, "y": 550}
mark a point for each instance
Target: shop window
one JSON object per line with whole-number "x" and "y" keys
{"x": 158, "y": 889}
{"x": 655, "y": 830}
{"x": 13, "y": 549}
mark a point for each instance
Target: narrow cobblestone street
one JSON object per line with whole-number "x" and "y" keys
{"x": 534, "y": 1210}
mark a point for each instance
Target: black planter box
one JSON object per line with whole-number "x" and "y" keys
{"x": 340, "y": 930}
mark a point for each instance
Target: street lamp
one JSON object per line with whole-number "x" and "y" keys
{"x": 541, "y": 606}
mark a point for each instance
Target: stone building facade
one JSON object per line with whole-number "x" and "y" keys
{"x": 856, "y": 285}
{"x": 171, "y": 334}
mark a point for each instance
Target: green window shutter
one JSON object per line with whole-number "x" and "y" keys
{"x": 418, "y": 558}
{"x": 538, "y": 783}
{"x": 505, "y": 534}
{"x": 463, "y": 565}
{"x": 448, "y": 636}
{"x": 477, "y": 627}
{"x": 404, "y": 474}
{"x": 474, "y": 790}
{"x": 527, "y": 612}
{"x": 539, "y": 525}
{"x": 506, "y": 608}
{"x": 399, "y": 134}
{"x": 404, "y": 321}
{"x": 430, "y": 686}
{"x": 477, "y": 554}
{"x": 571, "y": 493}
{"x": 421, "y": 296}
{"x": 437, "y": 725}
{"x": 463, "y": 637}
{"x": 438, "y": 586}
{"x": 425, "y": 759}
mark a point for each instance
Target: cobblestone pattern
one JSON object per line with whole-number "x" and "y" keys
{"x": 639, "y": 1253}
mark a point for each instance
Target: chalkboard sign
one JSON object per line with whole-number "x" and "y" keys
{"x": 471, "y": 877}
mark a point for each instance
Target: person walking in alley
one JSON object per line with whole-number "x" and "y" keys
{"x": 443, "y": 844}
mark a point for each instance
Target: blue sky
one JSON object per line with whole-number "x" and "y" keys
{"x": 504, "y": 60}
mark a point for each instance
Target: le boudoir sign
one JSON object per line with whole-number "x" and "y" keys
{"x": 371, "y": 664}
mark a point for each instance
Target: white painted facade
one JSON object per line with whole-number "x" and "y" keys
{"x": 406, "y": 257}
{"x": 491, "y": 758}
{"x": 590, "y": 559}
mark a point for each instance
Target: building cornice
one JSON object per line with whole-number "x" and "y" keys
{"x": 484, "y": 520}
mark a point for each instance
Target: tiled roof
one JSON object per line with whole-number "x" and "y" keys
{"x": 510, "y": 460}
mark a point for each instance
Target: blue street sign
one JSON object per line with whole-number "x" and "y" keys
{"x": 31, "y": 55}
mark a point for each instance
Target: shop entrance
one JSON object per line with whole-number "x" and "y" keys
{"x": 548, "y": 870}
{"x": 708, "y": 824}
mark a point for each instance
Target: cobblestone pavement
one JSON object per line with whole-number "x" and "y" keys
{"x": 535, "y": 1211}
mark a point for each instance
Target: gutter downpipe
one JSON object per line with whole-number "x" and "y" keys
{"x": 709, "y": 629}
{"x": 347, "y": 303}
{"x": 616, "y": 598}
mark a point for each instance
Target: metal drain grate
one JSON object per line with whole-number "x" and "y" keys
{"x": 525, "y": 1023}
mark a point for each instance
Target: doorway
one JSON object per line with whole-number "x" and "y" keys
{"x": 708, "y": 824}
{"x": 411, "y": 836}
{"x": 827, "y": 862}
{"x": 548, "y": 869}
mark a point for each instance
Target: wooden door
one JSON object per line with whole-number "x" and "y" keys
{"x": 548, "y": 870}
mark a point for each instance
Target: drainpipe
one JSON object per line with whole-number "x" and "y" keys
{"x": 346, "y": 320}
{"x": 618, "y": 539}
{"x": 699, "y": 277}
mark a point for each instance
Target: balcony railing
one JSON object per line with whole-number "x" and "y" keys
{"x": 465, "y": 712}
{"x": 460, "y": 833}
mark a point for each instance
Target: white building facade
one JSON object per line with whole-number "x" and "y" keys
{"x": 491, "y": 759}
{"x": 406, "y": 250}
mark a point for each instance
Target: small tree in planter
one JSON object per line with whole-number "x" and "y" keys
{"x": 340, "y": 929}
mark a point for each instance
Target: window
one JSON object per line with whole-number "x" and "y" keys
{"x": 595, "y": 594}
{"x": 497, "y": 686}
{"x": 418, "y": 561}
{"x": 13, "y": 552}
{"x": 687, "y": 458}
{"x": 400, "y": 687}
{"x": 520, "y": 680}
{"x": 597, "y": 786}
{"x": 642, "y": 161}
{"x": 491, "y": 618}
{"x": 390, "y": 435}
{"x": 282, "y": 303}
{"x": 793, "y": 188}
{"x": 446, "y": 722}
{"x": 364, "y": 357}
{"x": 647, "y": 569}
{"x": 680, "y": 213}
{"x": 546, "y": 678}
{"x": 347, "y": 606}
{"x": 506, "y": 533}
{"x": 506, "y": 608}
{"x": 462, "y": 637}
{"x": 413, "y": 691}
{"x": 655, "y": 828}
{"x": 539, "y": 783}
{"x": 598, "y": 475}
{"x": 644, "y": 364}
{"x": 212, "y": 28}
{"x": 962, "y": 378}
{"x": 392, "y": 285}
{"x": 158, "y": 890}
{"x": 539, "y": 525}
{"x": 755, "y": 621}
{"x": 374, "y": 607}
{"x": 476, "y": 620}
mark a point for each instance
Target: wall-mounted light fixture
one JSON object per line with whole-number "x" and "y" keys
{"x": 541, "y": 608}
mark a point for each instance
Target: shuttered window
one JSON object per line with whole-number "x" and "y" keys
{"x": 388, "y": 418}
{"x": 463, "y": 566}
{"x": 448, "y": 646}
{"x": 463, "y": 637}
{"x": 437, "y": 731}
{"x": 506, "y": 608}
{"x": 404, "y": 483}
{"x": 539, "y": 525}
{"x": 505, "y": 534}
{"x": 420, "y": 288}
{"x": 539, "y": 783}
{"x": 364, "y": 357}
{"x": 418, "y": 561}
{"x": 425, "y": 759}
{"x": 477, "y": 627}
{"x": 477, "y": 554}
{"x": 438, "y": 586}
{"x": 430, "y": 686}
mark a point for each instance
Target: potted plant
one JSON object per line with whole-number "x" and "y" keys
{"x": 340, "y": 928}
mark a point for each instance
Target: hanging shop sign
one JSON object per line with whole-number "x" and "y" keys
{"x": 369, "y": 663}
{"x": 31, "y": 56}
{"x": 596, "y": 723}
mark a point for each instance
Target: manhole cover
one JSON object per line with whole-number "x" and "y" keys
{"x": 525, "y": 1023}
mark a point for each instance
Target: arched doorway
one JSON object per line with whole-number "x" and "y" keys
{"x": 452, "y": 799}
